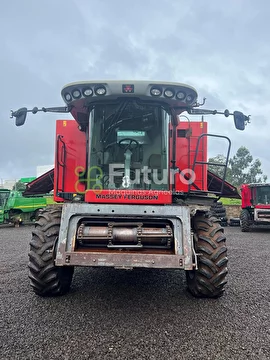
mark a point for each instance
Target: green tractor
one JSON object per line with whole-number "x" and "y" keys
{"x": 4, "y": 195}
{"x": 17, "y": 209}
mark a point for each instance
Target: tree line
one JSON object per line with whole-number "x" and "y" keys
{"x": 242, "y": 168}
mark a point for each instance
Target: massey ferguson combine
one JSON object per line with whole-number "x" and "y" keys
{"x": 255, "y": 206}
{"x": 131, "y": 176}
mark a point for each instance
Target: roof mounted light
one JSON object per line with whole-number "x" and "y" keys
{"x": 68, "y": 97}
{"x": 87, "y": 92}
{"x": 169, "y": 93}
{"x": 189, "y": 99}
{"x": 100, "y": 90}
{"x": 181, "y": 95}
{"x": 76, "y": 94}
{"x": 155, "y": 91}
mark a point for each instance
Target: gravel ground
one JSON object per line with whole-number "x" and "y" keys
{"x": 141, "y": 314}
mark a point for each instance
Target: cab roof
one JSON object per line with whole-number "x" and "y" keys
{"x": 86, "y": 92}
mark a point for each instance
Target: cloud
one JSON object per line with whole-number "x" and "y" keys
{"x": 220, "y": 48}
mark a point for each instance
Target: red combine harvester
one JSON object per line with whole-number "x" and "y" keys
{"x": 133, "y": 184}
{"x": 255, "y": 206}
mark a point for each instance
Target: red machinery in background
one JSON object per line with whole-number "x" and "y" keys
{"x": 133, "y": 184}
{"x": 255, "y": 206}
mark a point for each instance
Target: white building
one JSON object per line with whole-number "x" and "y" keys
{"x": 42, "y": 169}
{"x": 7, "y": 184}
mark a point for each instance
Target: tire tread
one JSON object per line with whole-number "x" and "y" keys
{"x": 210, "y": 244}
{"x": 45, "y": 278}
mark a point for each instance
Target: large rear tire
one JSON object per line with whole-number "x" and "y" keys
{"x": 210, "y": 245}
{"x": 45, "y": 278}
{"x": 245, "y": 220}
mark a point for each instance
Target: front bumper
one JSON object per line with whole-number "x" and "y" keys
{"x": 181, "y": 256}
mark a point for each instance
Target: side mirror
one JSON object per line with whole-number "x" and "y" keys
{"x": 20, "y": 116}
{"x": 239, "y": 120}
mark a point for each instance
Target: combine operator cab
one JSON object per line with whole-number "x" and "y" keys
{"x": 132, "y": 184}
{"x": 131, "y": 137}
{"x": 255, "y": 206}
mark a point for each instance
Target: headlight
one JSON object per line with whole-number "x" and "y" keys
{"x": 169, "y": 93}
{"x": 68, "y": 97}
{"x": 155, "y": 91}
{"x": 88, "y": 92}
{"x": 76, "y": 94}
{"x": 189, "y": 99}
{"x": 100, "y": 90}
{"x": 180, "y": 95}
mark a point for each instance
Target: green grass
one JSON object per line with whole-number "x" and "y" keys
{"x": 228, "y": 201}
{"x": 49, "y": 200}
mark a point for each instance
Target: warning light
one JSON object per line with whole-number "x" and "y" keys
{"x": 128, "y": 89}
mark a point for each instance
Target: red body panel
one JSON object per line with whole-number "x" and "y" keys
{"x": 71, "y": 151}
{"x": 129, "y": 196}
{"x": 262, "y": 206}
{"x": 186, "y": 143}
{"x": 246, "y": 195}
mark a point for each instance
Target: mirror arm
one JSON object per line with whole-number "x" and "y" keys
{"x": 59, "y": 109}
{"x": 226, "y": 113}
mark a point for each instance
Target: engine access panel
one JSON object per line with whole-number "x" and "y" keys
{"x": 190, "y": 144}
{"x": 70, "y": 158}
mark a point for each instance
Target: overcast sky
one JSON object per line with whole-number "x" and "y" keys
{"x": 221, "y": 48}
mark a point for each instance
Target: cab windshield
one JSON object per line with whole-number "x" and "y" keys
{"x": 263, "y": 195}
{"x": 3, "y": 197}
{"x": 128, "y": 146}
